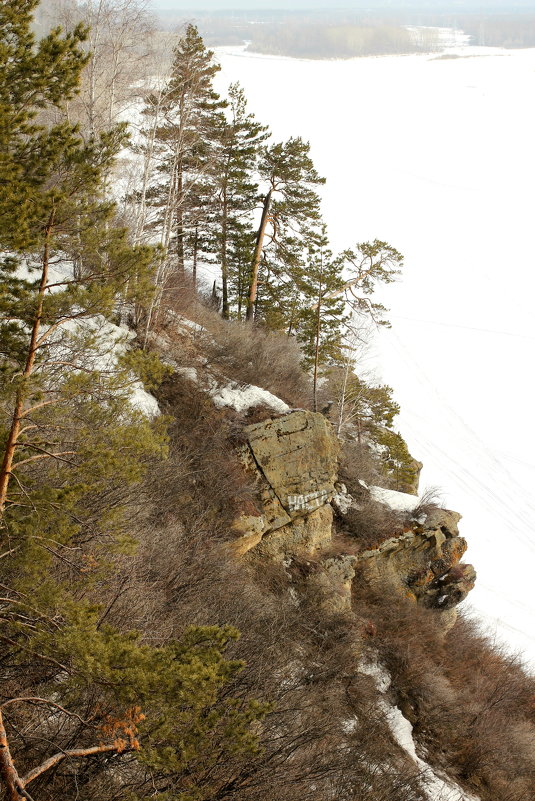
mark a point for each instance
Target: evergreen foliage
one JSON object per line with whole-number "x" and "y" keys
{"x": 113, "y": 559}
{"x": 290, "y": 210}
{"x": 73, "y": 449}
{"x": 322, "y": 314}
{"x": 369, "y": 264}
{"x": 191, "y": 114}
{"x": 240, "y": 139}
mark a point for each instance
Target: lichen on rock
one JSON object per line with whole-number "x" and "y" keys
{"x": 297, "y": 456}
{"x": 293, "y": 458}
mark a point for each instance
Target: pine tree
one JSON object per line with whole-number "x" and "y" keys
{"x": 56, "y": 224}
{"x": 290, "y": 206}
{"x": 240, "y": 138}
{"x": 370, "y": 408}
{"x": 191, "y": 115}
{"x": 369, "y": 264}
{"x": 322, "y": 317}
{"x": 240, "y": 245}
{"x": 72, "y": 444}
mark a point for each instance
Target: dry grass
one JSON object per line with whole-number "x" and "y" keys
{"x": 470, "y": 703}
{"x": 239, "y": 351}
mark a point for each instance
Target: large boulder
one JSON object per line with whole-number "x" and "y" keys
{"x": 295, "y": 457}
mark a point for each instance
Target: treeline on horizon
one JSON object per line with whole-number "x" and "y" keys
{"x": 339, "y": 41}
{"x": 349, "y": 34}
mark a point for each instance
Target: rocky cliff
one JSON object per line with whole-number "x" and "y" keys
{"x": 293, "y": 459}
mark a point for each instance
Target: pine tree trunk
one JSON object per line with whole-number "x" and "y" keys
{"x": 14, "y": 432}
{"x": 224, "y": 260}
{"x": 317, "y": 342}
{"x": 179, "y": 216}
{"x": 8, "y": 772}
{"x": 195, "y": 254}
{"x": 168, "y": 212}
{"x": 342, "y": 401}
{"x": 253, "y": 285}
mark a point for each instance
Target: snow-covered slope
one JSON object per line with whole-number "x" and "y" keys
{"x": 436, "y": 788}
{"x": 435, "y": 156}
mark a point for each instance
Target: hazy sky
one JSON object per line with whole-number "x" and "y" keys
{"x": 370, "y": 4}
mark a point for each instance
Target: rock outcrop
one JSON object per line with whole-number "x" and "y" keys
{"x": 297, "y": 456}
{"x": 424, "y": 562}
{"x": 294, "y": 461}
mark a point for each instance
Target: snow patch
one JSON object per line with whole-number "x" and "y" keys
{"x": 143, "y": 401}
{"x": 436, "y": 788}
{"x": 397, "y": 501}
{"x": 242, "y": 397}
{"x": 379, "y": 674}
{"x": 342, "y": 500}
{"x": 187, "y": 372}
{"x": 183, "y": 325}
{"x": 110, "y": 342}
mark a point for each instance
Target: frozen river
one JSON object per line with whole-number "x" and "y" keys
{"x": 436, "y": 156}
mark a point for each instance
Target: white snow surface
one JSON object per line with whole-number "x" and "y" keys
{"x": 188, "y": 372}
{"x": 110, "y": 343}
{"x": 397, "y": 501}
{"x": 435, "y": 156}
{"x": 184, "y": 325}
{"x": 242, "y": 397}
{"x": 435, "y": 787}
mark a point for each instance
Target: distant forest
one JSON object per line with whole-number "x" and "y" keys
{"x": 345, "y": 34}
{"x": 502, "y": 31}
{"x": 338, "y": 41}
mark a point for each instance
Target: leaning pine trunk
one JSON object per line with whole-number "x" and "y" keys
{"x": 253, "y": 286}
{"x": 18, "y": 411}
{"x": 317, "y": 342}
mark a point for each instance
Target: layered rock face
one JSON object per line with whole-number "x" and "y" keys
{"x": 294, "y": 461}
{"x": 296, "y": 455}
{"x": 424, "y": 563}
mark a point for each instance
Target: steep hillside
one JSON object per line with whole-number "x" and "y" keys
{"x": 217, "y": 578}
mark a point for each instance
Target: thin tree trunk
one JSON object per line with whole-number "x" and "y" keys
{"x": 317, "y": 343}
{"x": 224, "y": 260}
{"x": 14, "y": 432}
{"x": 168, "y": 212}
{"x": 195, "y": 251}
{"x": 253, "y": 286}
{"x": 140, "y": 222}
{"x": 155, "y": 301}
{"x": 342, "y": 402}
{"x": 8, "y": 771}
{"x": 180, "y": 220}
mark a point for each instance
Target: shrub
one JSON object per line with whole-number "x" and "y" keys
{"x": 470, "y": 703}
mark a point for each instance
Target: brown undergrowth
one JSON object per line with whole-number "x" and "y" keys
{"x": 470, "y": 703}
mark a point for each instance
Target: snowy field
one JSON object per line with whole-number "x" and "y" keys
{"x": 435, "y": 156}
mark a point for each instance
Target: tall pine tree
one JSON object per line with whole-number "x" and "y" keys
{"x": 290, "y": 207}
{"x": 240, "y": 138}
{"x": 70, "y": 444}
{"x": 191, "y": 114}
{"x": 321, "y": 319}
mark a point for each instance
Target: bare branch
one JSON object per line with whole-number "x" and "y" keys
{"x": 75, "y": 752}
{"x": 45, "y": 455}
{"x": 46, "y": 702}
